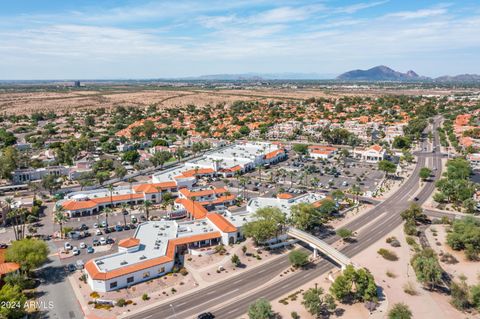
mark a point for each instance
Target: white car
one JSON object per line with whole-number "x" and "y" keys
{"x": 99, "y": 232}
{"x": 67, "y": 246}
{"x": 95, "y": 225}
{"x": 76, "y": 251}
{"x": 103, "y": 241}
{"x": 82, "y": 245}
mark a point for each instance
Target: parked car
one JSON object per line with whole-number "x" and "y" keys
{"x": 96, "y": 242}
{"x": 3, "y": 246}
{"x": 71, "y": 267}
{"x": 205, "y": 315}
{"x": 67, "y": 246}
{"x": 99, "y": 232}
{"x": 75, "y": 251}
{"x": 90, "y": 250}
{"x": 84, "y": 227}
{"x": 95, "y": 225}
{"x": 109, "y": 241}
{"x": 104, "y": 224}
{"x": 79, "y": 264}
{"x": 82, "y": 245}
{"x": 126, "y": 227}
{"x": 118, "y": 228}
{"x": 103, "y": 241}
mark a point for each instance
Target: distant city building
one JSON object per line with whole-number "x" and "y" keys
{"x": 76, "y": 84}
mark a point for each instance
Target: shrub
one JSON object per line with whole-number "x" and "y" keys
{"x": 298, "y": 258}
{"x": 411, "y": 241}
{"x": 295, "y": 315}
{"x": 400, "y": 311}
{"x": 395, "y": 243}
{"x": 183, "y": 271}
{"x": 390, "y": 274}
{"x": 121, "y": 302}
{"x": 448, "y": 258}
{"x": 409, "y": 288}
{"x": 387, "y": 254}
{"x": 145, "y": 297}
{"x": 95, "y": 295}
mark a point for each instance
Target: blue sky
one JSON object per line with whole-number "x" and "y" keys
{"x": 86, "y": 39}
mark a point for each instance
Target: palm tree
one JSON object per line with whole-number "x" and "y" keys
{"x": 146, "y": 207}
{"x": 291, "y": 174}
{"x": 243, "y": 182}
{"x": 34, "y": 187}
{"x": 124, "y": 206}
{"x": 60, "y": 218}
{"x": 130, "y": 181}
{"x": 107, "y": 211}
{"x": 110, "y": 189}
{"x": 193, "y": 206}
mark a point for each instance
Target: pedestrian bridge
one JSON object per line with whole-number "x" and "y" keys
{"x": 318, "y": 244}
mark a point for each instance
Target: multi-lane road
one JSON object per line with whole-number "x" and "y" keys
{"x": 236, "y": 293}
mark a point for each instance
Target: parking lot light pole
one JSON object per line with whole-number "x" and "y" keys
{"x": 173, "y": 309}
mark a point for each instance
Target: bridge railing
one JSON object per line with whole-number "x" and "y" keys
{"x": 320, "y": 245}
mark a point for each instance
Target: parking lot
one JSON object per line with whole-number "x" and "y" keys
{"x": 296, "y": 176}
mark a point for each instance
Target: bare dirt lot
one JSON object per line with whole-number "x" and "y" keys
{"x": 25, "y": 101}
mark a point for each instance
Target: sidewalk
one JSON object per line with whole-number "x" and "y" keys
{"x": 205, "y": 284}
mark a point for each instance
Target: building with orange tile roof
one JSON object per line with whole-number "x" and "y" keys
{"x": 154, "y": 249}
{"x": 373, "y": 154}
{"x": 6, "y": 267}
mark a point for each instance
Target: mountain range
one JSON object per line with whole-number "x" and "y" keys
{"x": 378, "y": 73}
{"x": 384, "y": 73}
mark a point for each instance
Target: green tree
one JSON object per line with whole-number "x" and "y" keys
{"x": 470, "y": 206}
{"x": 465, "y": 235}
{"x": 235, "y": 260}
{"x": 387, "y": 166}
{"x": 51, "y": 183}
{"x": 131, "y": 156}
{"x": 426, "y": 267}
{"x": 459, "y": 292}
{"x": 318, "y": 304}
{"x": 413, "y": 213}
{"x": 345, "y": 233}
{"x": 363, "y": 281}
{"x": 327, "y": 207}
{"x": 305, "y": 216}
{"x": 267, "y": 223}
{"x": 120, "y": 171}
{"x": 425, "y": 173}
{"x": 59, "y": 217}
{"x": 475, "y": 296}
{"x": 338, "y": 195}
{"x": 401, "y": 142}
{"x": 261, "y": 309}
{"x": 28, "y": 253}
{"x": 298, "y": 258}
{"x": 160, "y": 158}
{"x": 300, "y": 149}
{"x": 400, "y": 311}
{"x": 146, "y": 208}
{"x": 12, "y": 295}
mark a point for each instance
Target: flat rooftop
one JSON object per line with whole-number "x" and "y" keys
{"x": 154, "y": 237}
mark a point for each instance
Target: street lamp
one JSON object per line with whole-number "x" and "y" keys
{"x": 173, "y": 309}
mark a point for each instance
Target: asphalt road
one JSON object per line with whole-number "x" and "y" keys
{"x": 207, "y": 299}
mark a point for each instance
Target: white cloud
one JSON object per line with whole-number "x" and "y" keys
{"x": 359, "y": 6}
{"x": 424, "y": 13}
